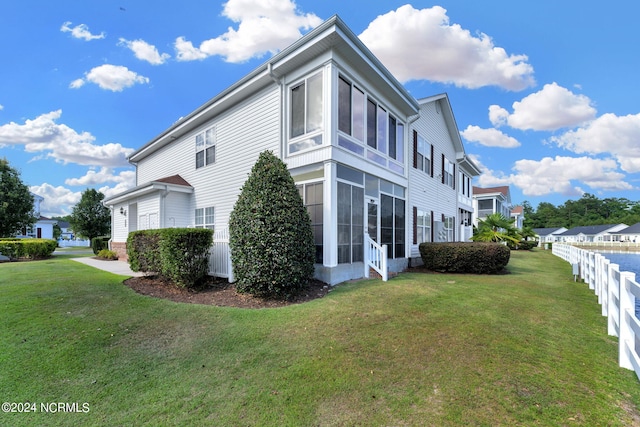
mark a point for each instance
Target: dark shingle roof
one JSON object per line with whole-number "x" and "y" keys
{"x": 588, "y": 230}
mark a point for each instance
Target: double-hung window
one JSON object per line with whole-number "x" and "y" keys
{"x": 423, "y": 226}
{"x": 448, "y": 172}
{"x": 306, "y": 118}
{"x": 424, "y": 154}
{"x": 205, "y": 218}
{"x": 206, "y": 148}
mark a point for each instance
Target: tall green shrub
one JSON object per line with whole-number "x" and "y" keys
{"x": 272, "y": 246}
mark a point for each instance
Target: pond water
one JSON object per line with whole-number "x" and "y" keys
{"x": 628, "y": 262}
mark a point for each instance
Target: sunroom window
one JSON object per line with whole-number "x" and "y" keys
{"x": 368, "y": 128}
{"x": 306, "y": 118}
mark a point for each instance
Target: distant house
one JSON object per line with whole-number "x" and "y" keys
{"x": 592, "y": 233}
{"x": 43, "y": 228}
{"x": 549, "y": 235}
{"x": 487, "y": 201}
{"x": 366, "y": 155}
{"x": 630, "y": 234}
{"x": 517, "y": 214}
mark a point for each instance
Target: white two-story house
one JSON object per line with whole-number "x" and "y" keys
{"x": 366, "y": 155}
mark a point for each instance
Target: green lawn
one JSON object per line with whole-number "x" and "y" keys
{"x": 526, "y": 348}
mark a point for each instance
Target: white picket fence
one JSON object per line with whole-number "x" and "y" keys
{"x": 617, "y": 292}
{"x": 220, "y": 255}
{"x": 72, "y": 243}
{"x": 375, "y": 256}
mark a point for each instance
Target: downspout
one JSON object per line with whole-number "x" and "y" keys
{"x": 278, "y": 82}
{"x": 163, "y": 204}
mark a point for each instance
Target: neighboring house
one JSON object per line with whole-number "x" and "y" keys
{"x": 66, "y": 233}
{"x": 630, "y": 234}
{"x": 592, "y": 233}
{"x": 43, "y": 228}
{"x": 487, "y": 201}
{"x": 548, "y": 235}
{"x": 517, "y": 213}
{"x": 366, "y": 156}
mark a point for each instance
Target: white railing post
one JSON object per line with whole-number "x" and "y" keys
{"x": 375, "y": 256}
{"x": 367, "y": 255}
{"x": 626, "y": 340}
{"x": 613, "y": 278}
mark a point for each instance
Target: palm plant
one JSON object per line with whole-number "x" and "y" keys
{"x": 496, "y": 228}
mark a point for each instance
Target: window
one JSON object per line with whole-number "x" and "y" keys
{"x": 449, "y": 224}
{"x": 423, "y": 158}
{"x": 350, "y": 223}
{"x": 205, "y": 218}
{"x": 306, "y": 113}
{"x": 367, "y": 122}
{"x": 206, "y": 148}
{"x": 423, "y": 225}
{"x": 448, "y": 172}
{"x": 312, "y": 196}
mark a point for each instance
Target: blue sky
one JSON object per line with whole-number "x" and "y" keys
{"x": 545, "y": 93}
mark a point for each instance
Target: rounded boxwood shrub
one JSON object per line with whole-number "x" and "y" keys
{"x": 465, "y": 257}
{"x": 271, "y": 241}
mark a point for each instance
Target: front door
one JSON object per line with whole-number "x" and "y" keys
{"x": 373, "y": 220}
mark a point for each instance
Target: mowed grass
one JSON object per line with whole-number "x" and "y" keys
{"x": 526, "y": 348}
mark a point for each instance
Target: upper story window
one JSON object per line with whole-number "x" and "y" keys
{"x": 306, "y": 118}
{"x": 423, "y": 155}
{"x": 372, "y": 130}
{"x": 448, "y": 172}
{"x": 206, "y": 147}
{"x": 465, "y": 184}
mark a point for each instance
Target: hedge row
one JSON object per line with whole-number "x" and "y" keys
{"x": 27, "y": 248}
{"x": 465, "y": 257}
{"x": 99, "y": 243}
{"x": 179, "y": 254}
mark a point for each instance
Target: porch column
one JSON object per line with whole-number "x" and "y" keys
{"x": 330, "y": 215}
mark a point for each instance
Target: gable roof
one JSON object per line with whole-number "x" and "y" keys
{"x": 169, "y": 183}
{"x": 589, "y": 230}
{"x": 443, "y": 102}
{"x": 547, "y": 231}
{"x": 518, "y": 210}
{"x": 632, "y": 229}
{"x": 332, "y": 35}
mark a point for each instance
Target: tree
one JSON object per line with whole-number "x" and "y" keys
{"x": 496, "y": 228}
{"x": 90, "y": 218}
{"x": 16, "y": 202}
{"x": 272, "y": 246}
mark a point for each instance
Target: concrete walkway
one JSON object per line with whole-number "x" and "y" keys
{"x": 115, "y": 267}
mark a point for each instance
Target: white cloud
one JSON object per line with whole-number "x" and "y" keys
{"x": 62, "y": 143}
{"x": 489, "y": 137}
{"x": 81, "y": 32}
{"x": 145, "y": 51}
{"x": 422, "y": 45}
{"x": 110, "y": 77}
{"x": 552, "y": 108}
{"x": 104, "y": 175}
{"x": 58, "y": 201}
{"x": 617, "y": 135}
{"x": 263, "y": 26}
{"x": 563, "y": 175}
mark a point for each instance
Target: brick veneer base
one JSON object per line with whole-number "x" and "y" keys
{"x": 121, "y": 249}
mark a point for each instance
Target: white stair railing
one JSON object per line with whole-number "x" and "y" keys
{"x": 375, "y": 256}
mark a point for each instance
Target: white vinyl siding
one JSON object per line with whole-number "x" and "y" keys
{"x": 428, "y": 193}
{"x": 242, "y": 133}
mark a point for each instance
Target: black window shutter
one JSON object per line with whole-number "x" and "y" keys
{"x": 415, "y": 149}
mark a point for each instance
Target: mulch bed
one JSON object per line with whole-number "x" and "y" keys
{"x": 218, "y": 292}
